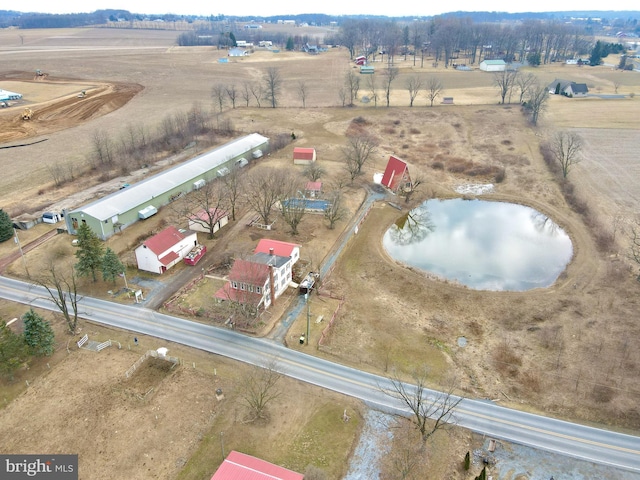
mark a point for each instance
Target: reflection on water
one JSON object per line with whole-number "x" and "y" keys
{"x": 484, "y": 245}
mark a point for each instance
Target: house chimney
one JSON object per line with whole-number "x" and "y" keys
{"x": 271, "y": 251}
{"x": 272, "y": 284}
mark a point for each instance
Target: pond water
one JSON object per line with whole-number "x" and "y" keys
{"x": 483, "y": 245}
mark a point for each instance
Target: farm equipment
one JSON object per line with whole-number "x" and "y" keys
{"x": 82, "y": 94}
{"x": 40, "y": 74}
{"x": 27, "y": 113}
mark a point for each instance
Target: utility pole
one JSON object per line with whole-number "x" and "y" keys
{"x": 24, "y": 261}
{"x": 306, "y": 296}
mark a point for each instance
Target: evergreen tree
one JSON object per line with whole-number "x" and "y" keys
{"x": 467, "y": 461}
{"x": 13, "y": 351}
{"x": 111, "y": 266}
{"x": 38, "y": 334}
{"x": 290, "y": 45}
{"x": 6, "y": 226}
{"x": 596, "y": 54}
{"x": 89, "y": 253}
{"x": 232, "y": 38}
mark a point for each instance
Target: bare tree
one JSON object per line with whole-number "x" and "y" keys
{"x": 536, "y": 102}
{"x": 302, "y": 92}
{"x": 233, "y": 189}
{"x": 103, "y": 148}
{"x": 430, "y": 410}
{"x": 264, "y": 188}
{"x": 371, "y": 85}
{"x": 64, "y": 293}
{"x": 389, "y": 75}
{"x": 358, "y": 151}
{"x": 232, "y": 93}
{"x": 314, "y": 172}
{"x": 524, "y": 81}
{"x": 259, "y": 387}
{"x": 335, "y": 210}
{"x": 408, "y": 457}
{"x": 273, "y": 85}
{"x": 257, "y": 91}
{"x": 218, "y": 93}
{"x": 414, "y": 85}
{"x": 434, "y": 87}
{"x": 206, "y": 206}
{"x": 505, "y": 81}
{"x": 293, "y": 209}
{"x": 566, "y": 148}
{"x": 245, "y": 93}
{"x": 351, "y": 86}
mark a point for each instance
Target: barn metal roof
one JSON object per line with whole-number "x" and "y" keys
{"x": 239, "y": 466}
{"x": 145, "y": 191}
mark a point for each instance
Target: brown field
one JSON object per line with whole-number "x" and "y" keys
{"x": 569, "y": 350}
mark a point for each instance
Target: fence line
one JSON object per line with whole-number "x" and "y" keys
{"x": 326, "y": 329}
{"x": 83, "y": 340}
{"x": 149, "y": 353}
{"x": 103, "y": 345}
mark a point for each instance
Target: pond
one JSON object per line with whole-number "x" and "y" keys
{"x": 483, "y": 245}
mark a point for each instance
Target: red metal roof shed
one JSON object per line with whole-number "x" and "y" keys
{"x": 239, "y": 466}
{"x": 394, "y": 173}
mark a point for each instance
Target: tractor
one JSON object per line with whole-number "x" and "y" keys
{"x": 27, "y": 113}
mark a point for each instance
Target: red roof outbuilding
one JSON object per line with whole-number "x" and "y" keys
{"x": 240, "y": 466}
{"x": 396, "y": 174}
{"x": 164, "y": 240}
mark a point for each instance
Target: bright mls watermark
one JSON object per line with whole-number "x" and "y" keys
{"x": 51, "y": 467}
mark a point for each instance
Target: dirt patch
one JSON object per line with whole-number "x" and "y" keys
{"x": 65, "y": 110}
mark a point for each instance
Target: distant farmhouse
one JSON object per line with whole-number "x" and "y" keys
{"x": 568, "y": 88}
{"x": 115, "y": 212}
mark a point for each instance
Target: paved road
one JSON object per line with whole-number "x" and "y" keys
{"x": 596, "y": 445}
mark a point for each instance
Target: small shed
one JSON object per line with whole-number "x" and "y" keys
{"x": 304, "y": 156}
{"x": 367, "y": 69}
{"x": 447, "y": 100}
{"x": 396, "y": 175}
{"x": 493, "y": 65}
{"x": 200, "y": 221}
{"x": 313, "y": 189}
{"x": 237, "y": 52}
{"x": 162, "y": 251}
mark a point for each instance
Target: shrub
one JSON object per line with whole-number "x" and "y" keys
{"x": 437, "y": 166}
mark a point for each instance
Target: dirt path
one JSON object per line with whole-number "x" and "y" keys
{"x": 9, "y": 259}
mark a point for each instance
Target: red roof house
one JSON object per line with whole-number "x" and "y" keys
{"x": 239, "y": 466}
{"x": 165, "y": 249}
{"x": 396, "y": 175}
{"x": 281, "y": 249}
{"x": 304, "y": 156}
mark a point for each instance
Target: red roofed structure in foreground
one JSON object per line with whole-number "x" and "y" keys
{"x": 239, "y": 466}
{"x": 396, "y": 175}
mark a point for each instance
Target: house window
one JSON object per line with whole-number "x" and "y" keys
{"x": 251, "y": 288}
{"x": 258, "y": 290}
{"x": 243, "y": 286}
{"x": 234, "y": 285}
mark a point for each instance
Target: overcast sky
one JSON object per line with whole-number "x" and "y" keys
{"x": 330, "y": 7}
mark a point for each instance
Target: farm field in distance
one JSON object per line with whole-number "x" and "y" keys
{"x": 570, "y": 350}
